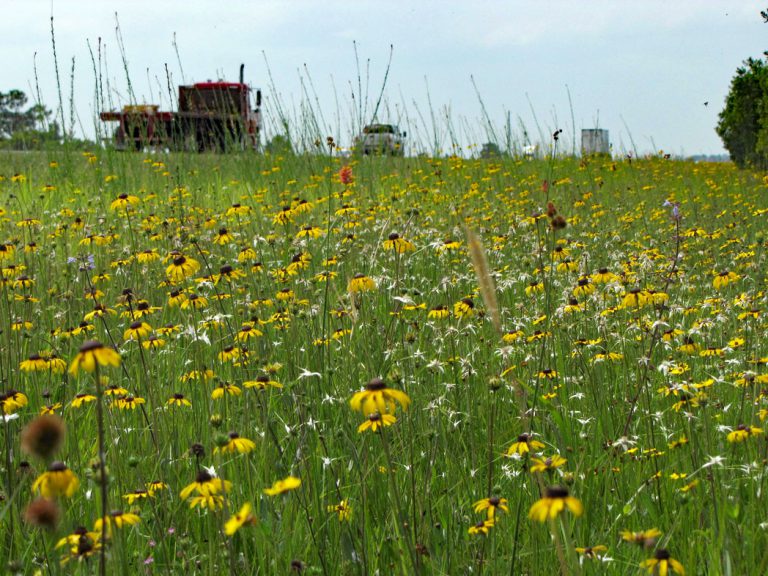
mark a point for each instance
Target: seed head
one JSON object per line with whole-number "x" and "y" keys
{"x": 43, "y": 436}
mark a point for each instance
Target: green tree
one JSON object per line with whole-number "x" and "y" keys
{"x": 743, "y": 125}
{"x": 24, "y": 127}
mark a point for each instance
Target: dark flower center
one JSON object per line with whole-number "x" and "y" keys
{"x": 91, "y": 345}
{"x": 556, "y": 492}
{"x": 375, "y": 384}
{"x": 203, "y": 477}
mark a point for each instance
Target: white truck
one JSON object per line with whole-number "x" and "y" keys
{"x": 381, "y": 139}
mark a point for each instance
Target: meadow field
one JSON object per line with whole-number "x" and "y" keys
{"x": 254, "y": 364}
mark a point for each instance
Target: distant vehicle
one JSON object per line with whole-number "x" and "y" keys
{"x": 381, "y": 139}
{"x": 210, "y": 116}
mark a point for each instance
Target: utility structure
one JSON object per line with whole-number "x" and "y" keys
{"x": 595, "y": 141}
{"x": 210, "y": 116}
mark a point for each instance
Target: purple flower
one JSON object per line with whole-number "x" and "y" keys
{"x": 675, "y": 213}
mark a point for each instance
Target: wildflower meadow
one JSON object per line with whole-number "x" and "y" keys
{"x": 320, "y": 364}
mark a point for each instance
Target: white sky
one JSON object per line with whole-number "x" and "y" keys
{"x": 642, "y": 69}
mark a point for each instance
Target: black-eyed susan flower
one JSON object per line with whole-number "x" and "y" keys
{"x": 81, "y": 399}
{"x": 604, "y": 276}
{"x": 283, "y": 486}
{"x": 376, "y": 421}
{"x": 238, "y": 210}
{"x": 464, "y": 308}
{"x": 343, "y": 510}
{"x": 238, "y": 520}
{"x": 20, "y": 325}
{"x": 50, "y": 409}
{"x": 153, "y": 342}
{"x": 168, "y": 330}
{"x": 556, "y": 499}
{"x": 644, "y": 538}
{"x": 72, "y": 539}
{"x": 547, "y": 464}
{"x": 81, "y": 545}
{"x": 309, "y": 232}
{"x": 490, "y": 505}
{"x": 229, "y": 274}
{"x": 534, "y": 288}
{"x": 377, "y": 397}
{"x": 195, "y": 301}
{"x": 591, "y": 551}
{"x": 711, "y": 352}
{"x": 35, "y": 363}
{"x": 229, "y": 354}
{"x": 361, "y": 283}
{"x": 523, "y": 445}
{"x": 127, "y": 402}
{"x": 722, "y": 279}
{"x": 225, "y": 388}
{"x": 148, "y": 256}
{"x": 397, "y": 244}
{"x": 205, "y": 375}
{"x": 91, "y": 355}
{"x": 236, "y": 443}
{"x": 137, "y": 331}
{"x": 113, "y": 389}
{"x": 573, "y": 306}
{"x": 262, "y": 383}
{"x": 205, "y": 485}
{"x": 482, "y": 528}
{"x": 182, "y": 268}
{"x": 689, "y": 346}
{"x": 567, "y": 265}
{"x": 176, "y": 298}
{"x": 439, "y": 312}
{"x": 661, "y": 564}
{"x": 156, "y": 485}
{"x": 124, "y": 201}
{"x": 23, "y": 282}
{"x": 178, "y": 400}
{"x": 742, "y": 432}
{"x": 584, "y": 287}
{"x": 635, "y": 298}
{"x": 223, "y": 237}
{"x": 99, "y": 311}
{"x": 537, "y": 335}
{"x": 284, "y": 216}
{"x": 57, "y": 481}
{"x": 137, "y": 496}
{"x": 116, "y": 518}
{"x": 246, "y": 254}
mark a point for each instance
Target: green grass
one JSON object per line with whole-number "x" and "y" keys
{"x": 411, "y": 489}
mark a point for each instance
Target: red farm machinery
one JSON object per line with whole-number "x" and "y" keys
{"x": 211, "y": 116}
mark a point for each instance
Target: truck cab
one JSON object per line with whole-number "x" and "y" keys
{"x": 381, "y": 139}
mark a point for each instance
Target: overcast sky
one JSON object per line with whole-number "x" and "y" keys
{"x": 642, "y": 69}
